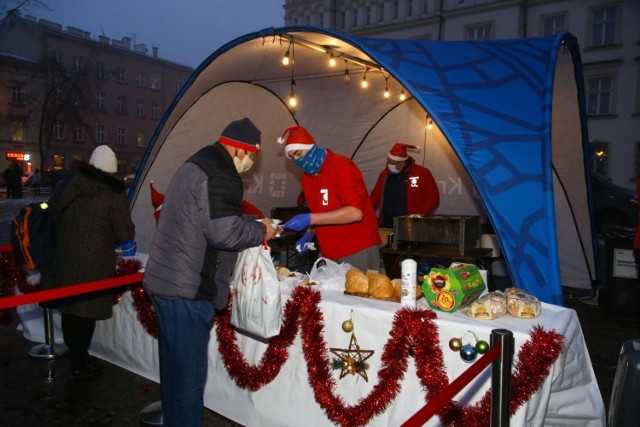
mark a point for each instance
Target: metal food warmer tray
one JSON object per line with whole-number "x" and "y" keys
{"x": 462, "y": 231}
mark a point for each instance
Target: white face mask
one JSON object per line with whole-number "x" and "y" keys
{"x": 244, "y": 164}
{"x": 393, "y": 168}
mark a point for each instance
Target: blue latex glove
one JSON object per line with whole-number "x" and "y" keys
{"x": 298, "y": 223}
{"x": 302, "y": 245}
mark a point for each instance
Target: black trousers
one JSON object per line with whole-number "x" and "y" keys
{"x": 77, "y": 332}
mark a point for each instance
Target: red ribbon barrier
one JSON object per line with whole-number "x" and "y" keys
{"x": 67, "y": 291}
{"x": 437, "y": 403}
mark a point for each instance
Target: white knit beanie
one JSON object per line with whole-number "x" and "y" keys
{"x": 104, "y": 158}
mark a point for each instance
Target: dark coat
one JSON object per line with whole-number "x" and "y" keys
{"x": 91, "y": 216}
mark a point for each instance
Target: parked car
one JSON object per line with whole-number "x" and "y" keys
{"x": 614, "y": 206}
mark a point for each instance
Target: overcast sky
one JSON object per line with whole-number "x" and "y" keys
{"x": 185, "y": 31}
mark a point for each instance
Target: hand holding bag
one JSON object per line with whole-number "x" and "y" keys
{"x": 256, "y": 306}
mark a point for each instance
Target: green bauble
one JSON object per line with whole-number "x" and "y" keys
{"x": 482, "y": 347}
{"x": 455, "y": 344}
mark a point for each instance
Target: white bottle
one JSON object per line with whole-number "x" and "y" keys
{"x": 408, "y": 269}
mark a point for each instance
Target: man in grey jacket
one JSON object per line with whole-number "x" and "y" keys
{"x": 191, "y": 263}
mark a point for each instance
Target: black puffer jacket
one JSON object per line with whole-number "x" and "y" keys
{"x": 91, "y": 216}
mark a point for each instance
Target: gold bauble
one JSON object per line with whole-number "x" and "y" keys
{"x": 347, "y": 326}
{"x": 455, "y": 344}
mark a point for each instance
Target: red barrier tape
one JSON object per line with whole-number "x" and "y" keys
{"x": 6, "y": 248}
{"x": 67, "y": 291}
{"x": 437, "y": 403}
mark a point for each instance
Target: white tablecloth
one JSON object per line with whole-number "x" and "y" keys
{"x": 569, "y": 396}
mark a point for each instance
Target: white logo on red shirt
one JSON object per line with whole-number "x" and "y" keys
{"x": 414, "y": 180}
{"x": 325, "y": 196}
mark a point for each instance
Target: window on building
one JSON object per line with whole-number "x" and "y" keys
{"x": 424, "y": 6}
{"x": 122, "y": 104}
{"x": 140, "y": 108}
{"x": 155, "y": 110}
{"x": 478, "y": 32}
{"x": 637, "y": 106}
{"x": 604, "y": 25}
{"x": 395, "y": 9}
{"x": 58, "y": 58}
{"x": 122, "y": 135}
{"x": 367, "y": 15}
{"x": 553, "y": 24}
{"x": 600, "y": 95}
{"x": 156, "y": 81}
{"x": 16, "y": 128}
{"x": 321, "y": 19}
{"x": 120, "y": 74}
{"x": 101, "y": 100}
{"x": 78, "y": 64}
{"x": 58, "y": 162}
{"x": 343, "y": 19}
{"x": 78, "y": 132}
{"x": 307, "y": 20}
{"x": 141, "y": 140}
{"x": 58, "y": 129}
{"x": 101, "y": 134}
{"x": 101, "y": 70}
{"x": 409, "y": 9}
{"x": 600, "y": 157}
{"x": 354, "y": 17}
{"x": 179, "y": 84}
{"x": 141, "y": 81}
{"x": 16, "y": 94}
{"x": 381, "y": 12}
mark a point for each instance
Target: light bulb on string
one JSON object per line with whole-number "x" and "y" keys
{"x": 386, "y": 87}
{"x": 293, "y": 101}
{"x": 429, "y": 123}
{"x": 364, "y": 82}
{"x": 285, "y": 58}
{"x": 347, "y": 77}
{"x": 402, "y": 95}
{"x": 332, "y": 60}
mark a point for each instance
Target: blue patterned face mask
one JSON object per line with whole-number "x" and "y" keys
{"x": 393, "y": 168}
{"x": 312, "y": 161}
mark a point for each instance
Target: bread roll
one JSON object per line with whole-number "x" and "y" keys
{"x": 380, "y": 286}
{"x": 356, "y": 282}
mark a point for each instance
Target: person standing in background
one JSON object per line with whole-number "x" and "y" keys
{"x": 35, "y": 180}
{"x": 191, "y": 262}
{"x": 91, "y": 215}
{"x": 403, "y": 187}
{"x": 341, "y": 214}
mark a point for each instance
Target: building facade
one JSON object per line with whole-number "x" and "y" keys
{"x": 607, "y": 30}
{"x": 63, "y": 92}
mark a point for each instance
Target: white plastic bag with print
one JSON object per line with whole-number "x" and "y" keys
{"x": 256, "y": 306}
{"x": 329, "y": 274}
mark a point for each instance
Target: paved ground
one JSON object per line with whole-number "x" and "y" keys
{"x": 34, "y": 391}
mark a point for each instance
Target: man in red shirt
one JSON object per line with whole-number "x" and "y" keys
{"x": 341, "y": 214}
{"x": 403, "y": 187}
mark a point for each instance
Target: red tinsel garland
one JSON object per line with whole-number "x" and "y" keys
{"x": 411, "y": 330}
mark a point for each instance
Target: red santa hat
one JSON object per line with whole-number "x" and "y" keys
{"x": 399, "y": 151}
{"x": 296, "y": 138}
{"x": 157, "y": 199}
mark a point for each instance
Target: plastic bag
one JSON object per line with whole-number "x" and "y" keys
{"x": 329, "y": 274}
{"x": 256, "y": 307}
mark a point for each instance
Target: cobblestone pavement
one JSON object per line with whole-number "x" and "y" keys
{"x": 34, "y": 391}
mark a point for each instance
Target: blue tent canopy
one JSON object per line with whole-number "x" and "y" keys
{"x": 511, "y": 111}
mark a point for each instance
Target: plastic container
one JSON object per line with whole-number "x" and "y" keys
{"x": 409, "y": 270}
{"x": 621, "y": 282}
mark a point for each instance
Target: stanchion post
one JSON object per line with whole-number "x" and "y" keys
{"x": 501, "y": 378}
{"x": 48, "y": 350}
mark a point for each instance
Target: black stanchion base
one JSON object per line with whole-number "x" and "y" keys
{"x": 48, "y": 351}
{"x": 151, "y": 415}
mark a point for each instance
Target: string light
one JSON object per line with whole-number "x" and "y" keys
{"x": 386, "y": 87}
{"x": 285, "y": 58}
{"x": 364, "y": 82}
{"x": 332, "y": 60}
{"x": 402, "y": 95}
{"x": 429, "y": 122}
{"x": 292, "y": 95}
{"x": 347, "y": 77}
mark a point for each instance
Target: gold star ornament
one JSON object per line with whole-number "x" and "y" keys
{"x": 352, "y": 360}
